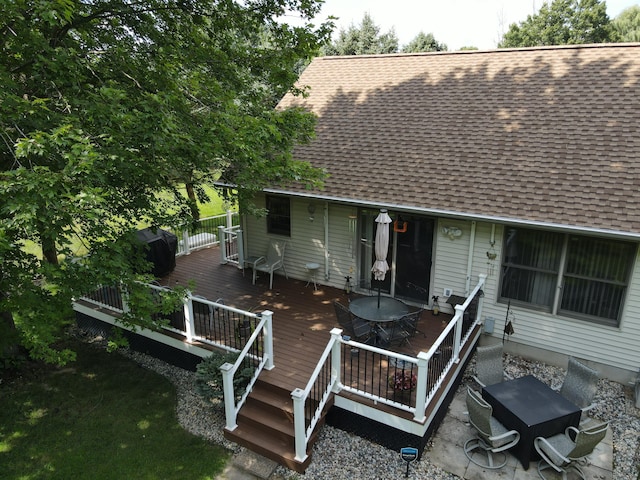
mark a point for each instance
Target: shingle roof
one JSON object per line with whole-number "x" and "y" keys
{"x": 546, "y": 135}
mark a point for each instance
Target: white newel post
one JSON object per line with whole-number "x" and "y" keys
{"x": 189, "y": 323}
{"x": 336, "y": 360}
{"x": 240, "y": 247}
{"x": 483, "y": 278}
{"x": 298, "y": 422}
{"x": 229, "y": 396}
{"x": 185, "y": 241}
{"x": 421, "y": 387}
{"x": 124, "y": 295}
{"x": 223, "y": 244}
{"x": 458, "y": 333}
{"x": 268, "y": 338}
{"x": 229, "y": 219}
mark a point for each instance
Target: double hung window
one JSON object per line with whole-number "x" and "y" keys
{"x": 278, "y": 215}
{"x": 566, "y": 274}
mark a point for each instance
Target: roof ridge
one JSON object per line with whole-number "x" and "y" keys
{"x": 485, "y": 51}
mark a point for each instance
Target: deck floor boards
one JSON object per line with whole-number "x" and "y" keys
{"x": 302, "y": 316}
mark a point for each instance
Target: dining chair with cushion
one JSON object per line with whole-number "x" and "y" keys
{"x": 563, "y": 451}
{"x": 489, "y": 366}
{"x": 580, "y": 385}
{"x": 492, "y": 437}
{"x": 274, "y": 260}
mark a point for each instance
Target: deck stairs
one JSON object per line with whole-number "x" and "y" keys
{"x": 265, "y": 425}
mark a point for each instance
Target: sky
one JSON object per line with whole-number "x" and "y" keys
{"x": 456, "y": 23}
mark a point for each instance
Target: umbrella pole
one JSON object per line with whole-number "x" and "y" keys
{"x": 378, "y": 295}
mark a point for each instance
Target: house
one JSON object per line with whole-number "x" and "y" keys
{"x": 521, "y": 164}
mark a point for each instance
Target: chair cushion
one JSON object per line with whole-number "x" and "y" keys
{"x": 498, "y": 429}
{"x": 563, "y": 446}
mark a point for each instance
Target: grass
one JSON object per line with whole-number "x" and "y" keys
{"x": 101, "y": 417}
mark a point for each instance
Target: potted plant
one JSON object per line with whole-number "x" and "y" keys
{"x": 403, "y": 383}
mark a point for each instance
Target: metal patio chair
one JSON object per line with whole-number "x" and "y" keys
{"x": 563, "y": 451}
{"x": 393, "y": 334}
{"x": 410, "y": 322}
{"x": 492, "y": 437}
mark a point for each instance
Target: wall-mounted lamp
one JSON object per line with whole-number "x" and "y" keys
{"x": 452, "y": 232}
{"x": 311, "y": 208}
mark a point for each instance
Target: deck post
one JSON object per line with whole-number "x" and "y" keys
{"x": 124, "y": 296}
{"x": 421, "y": 387}
{"x": 240, "y": 248}
{"x": 189, "y": 323}
{"x": 459, "y": 315}
{"x": 268, "y": 338}
{"x": 229, "y": 396}
{"x": 336, "y": 361}
{"x": 185, "y": 241}
{"x": 299, "y": 425}
{"x": 223, "y": 244}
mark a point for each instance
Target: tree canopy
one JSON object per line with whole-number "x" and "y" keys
{"x": 106, "y": 107}
{"x": 362, "y": 40}
{"x": 563, "y": 22}
{"x": 627, "y": 24}
{"x": 424, "y": 42}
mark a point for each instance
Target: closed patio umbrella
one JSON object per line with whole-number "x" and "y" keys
{"x": 380, "y": 266}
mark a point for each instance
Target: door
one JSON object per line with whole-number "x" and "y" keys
{"x": 409, "y": 256}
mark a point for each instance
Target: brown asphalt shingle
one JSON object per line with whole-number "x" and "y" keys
{"x": 547, "y": 135}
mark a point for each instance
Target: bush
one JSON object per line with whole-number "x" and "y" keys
{"x": 209, "y": 377}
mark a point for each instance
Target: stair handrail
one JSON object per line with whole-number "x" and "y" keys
{"x": 302, "y": 432}
{"x": 231, "y": 408}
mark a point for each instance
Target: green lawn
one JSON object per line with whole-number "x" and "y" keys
{"x": 101, "y": 417}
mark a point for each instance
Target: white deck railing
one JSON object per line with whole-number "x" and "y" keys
{"x": 442, "y": 356}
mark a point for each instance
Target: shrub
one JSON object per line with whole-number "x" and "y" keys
{"x": 209, "y": 377}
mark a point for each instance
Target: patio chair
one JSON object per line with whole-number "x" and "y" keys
{"x": 492, "y": 437}
{"x": 410, "y": 322}
{"x": 489, "y": 368}
{"x": 393, "y": 334}
{"x": 274, "y": 260}
{"x": 563, "y": 451}
{"x": 580, "y": 385}
{"x": 355, "y": 327}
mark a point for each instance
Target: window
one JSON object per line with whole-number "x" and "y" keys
{"x": 278, "y": 216}
{"x": 572, "y": 275}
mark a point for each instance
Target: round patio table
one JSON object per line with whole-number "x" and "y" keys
{"x": 367, "y": 308}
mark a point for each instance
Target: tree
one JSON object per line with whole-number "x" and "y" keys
{"x": 105, "y": 108}
{"x": 564, "y": 22}
{"x": 627, "y": 24}
{"x": 363, "y": 40}
{"x": 424, "y": 42}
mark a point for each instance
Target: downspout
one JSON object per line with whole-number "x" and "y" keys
{"x": 472, "y": 241}
{"x": 326, "y": 241}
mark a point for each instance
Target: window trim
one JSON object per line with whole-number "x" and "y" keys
{"x": 282, "y": 227}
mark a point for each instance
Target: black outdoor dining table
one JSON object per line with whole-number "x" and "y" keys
{"x": 367, "y": 308}
{"x": 532, "y": 408}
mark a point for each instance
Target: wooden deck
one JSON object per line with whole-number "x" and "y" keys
{"x": 302, "y": 317}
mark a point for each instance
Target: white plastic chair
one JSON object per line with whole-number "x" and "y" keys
{"x": 274, "y": 260}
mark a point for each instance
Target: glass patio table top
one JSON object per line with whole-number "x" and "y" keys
{"x": 388, "y": 310}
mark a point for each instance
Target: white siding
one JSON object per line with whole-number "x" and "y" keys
{"x": 307, "y": 241}
{"x": 615, "y": 347}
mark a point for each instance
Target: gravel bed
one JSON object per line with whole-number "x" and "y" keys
{"x": 339, "y": 455}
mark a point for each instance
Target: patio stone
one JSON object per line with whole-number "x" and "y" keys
{"x": 447, "y": 451}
